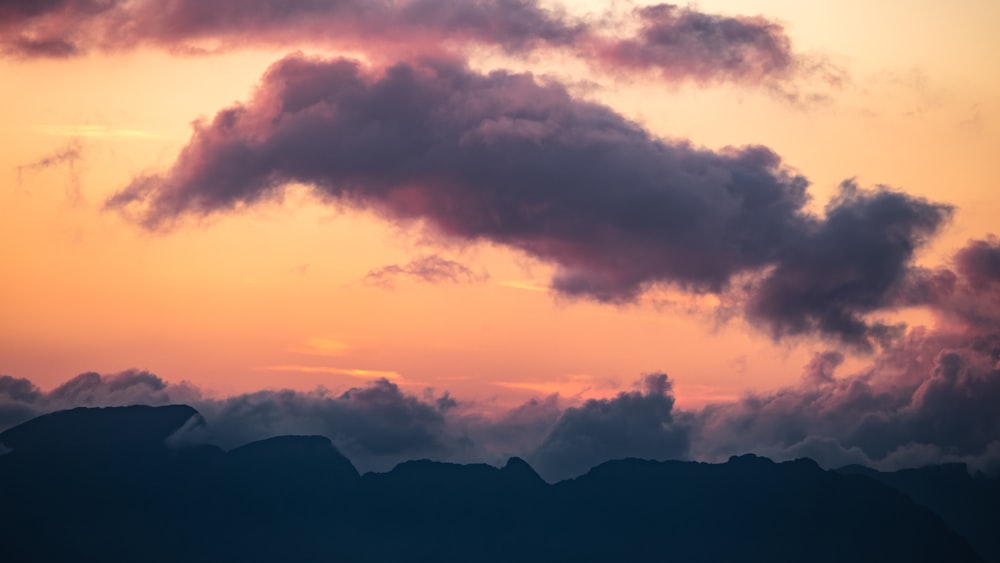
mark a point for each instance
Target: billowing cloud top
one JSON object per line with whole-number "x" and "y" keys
{"x": 500, "y": 157}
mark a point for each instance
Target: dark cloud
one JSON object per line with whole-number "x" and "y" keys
{"x": 62, "y": 28}
{"x": 18, "y": 399}
{"x": 52, "y": 28}
{"x": 968, "y": 295}
{"x": 410, "y": 25}
{"x": 375, "y": 426}
{"x": 517, "y": 432}
{"x": 681, "y": 43}
{"x": 928, "y": 397}
{"x": 635, "y": 424}
{"x": 678, "y": 44}
{"x": 429, "y": 269}
{"x": 979, "y": 263}
{"x": 821, "y": 368}
{"x": 504, "y": 159}
{"x": 21, "y": 400}
{"x": 19, "y": 389}
{"x": 850, "y": 265}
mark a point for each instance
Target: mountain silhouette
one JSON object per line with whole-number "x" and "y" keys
{"x": 90, "y": 428}
{"x": 969, "y": 504}
{"x": 115, "y": 484}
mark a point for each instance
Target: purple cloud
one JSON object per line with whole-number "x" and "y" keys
{"x": 678, "y": 44}
{"x": 503, "y": 159}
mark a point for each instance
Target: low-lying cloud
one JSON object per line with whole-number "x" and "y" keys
{"x": 930, "y": 397}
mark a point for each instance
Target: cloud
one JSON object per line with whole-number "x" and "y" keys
{"x": 821, "y": 368}
{"x": 69, "y": 154}
{"x": 928, "y": 394}
{"x": 504, "y": 159}
{"x": 966, "y": 296}
{"x": 849, "y": 265}
{"x": 979, "y": 262}
{"x": 678, "y": 44}
{"x": 376, "y": 426}
{"x": 429, "y": 269}
{"x": 49, "y": 28}
{"x": 21, "y": 400}
{"x": 634, "y": 424}
{"x": 185, "y": 25}
{"x": 62, "y": 28}
{"x": 928, "y": 397}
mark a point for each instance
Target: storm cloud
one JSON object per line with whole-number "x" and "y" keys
{"x": 502, "y": 158}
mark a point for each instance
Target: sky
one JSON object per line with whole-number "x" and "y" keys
{"x": 511, "y": 214}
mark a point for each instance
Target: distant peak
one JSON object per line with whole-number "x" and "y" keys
{"x": 517, "y": 468}
{"x": 302, "y": 452}
{"x": 750, "y": 458}
{"x": 101, "y": 427}
{"x": 803, "y": 462}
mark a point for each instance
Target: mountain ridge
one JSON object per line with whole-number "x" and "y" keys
{"x": 133, "y": 493}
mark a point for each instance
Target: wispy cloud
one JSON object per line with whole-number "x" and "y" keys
{"x": 69, "y": 155}
{"x": 428, "y": 269}
{"x": 520, "y": 284}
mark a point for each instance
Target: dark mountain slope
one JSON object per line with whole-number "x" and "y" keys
{"x": 969, "y": 504}
{"x": 129, "y": 496}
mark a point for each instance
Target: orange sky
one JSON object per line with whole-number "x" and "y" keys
{"x": 276, "y": 297}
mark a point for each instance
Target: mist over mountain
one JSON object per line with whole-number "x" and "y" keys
{"x": 114, "y": 484}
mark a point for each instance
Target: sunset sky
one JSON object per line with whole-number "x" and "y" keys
{"x": 135, "y": 236}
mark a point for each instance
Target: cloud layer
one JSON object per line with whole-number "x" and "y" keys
{"x": 930, "y": 397}
{"x": 502, "y": 158}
